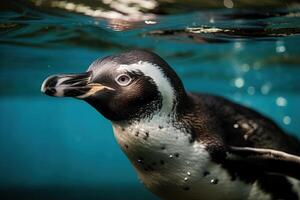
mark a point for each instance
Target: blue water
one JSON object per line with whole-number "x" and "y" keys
{"x": 59, "y": 148}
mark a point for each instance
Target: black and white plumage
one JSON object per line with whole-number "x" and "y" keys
{"x": 185, "y": 145}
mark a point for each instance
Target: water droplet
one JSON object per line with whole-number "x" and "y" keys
{"x": 239, "y": 82}
{"x": 188, "y": 173}
{"x": 235, "y": 125}
{"x": 214, "y": 181}
{"x": 245, "y": 125}
{"x": 170, "y": 156}
{"x": 281, "y": 101}
{"x": 140, "y": 160}
{"x": 186, "y": 178}
{"x": 286, "y": 120}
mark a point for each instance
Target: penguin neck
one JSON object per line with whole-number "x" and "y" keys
{"x": 158, "y": 118}
{"x": 155, "y": 137}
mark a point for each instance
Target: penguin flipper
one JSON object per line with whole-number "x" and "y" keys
{"x": 268, "y": 160}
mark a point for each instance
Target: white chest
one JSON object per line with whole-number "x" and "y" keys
{"x": 174, "y": 168}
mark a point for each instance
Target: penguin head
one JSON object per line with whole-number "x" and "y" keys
{"x": 132, "y": 85}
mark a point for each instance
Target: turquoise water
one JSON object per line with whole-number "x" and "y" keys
{"x": 59, "y": 148}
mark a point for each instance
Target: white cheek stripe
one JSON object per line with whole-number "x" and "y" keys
{"x": 162, "y": 83}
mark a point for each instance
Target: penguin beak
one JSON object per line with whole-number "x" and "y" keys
{"x": 71, "y": 85}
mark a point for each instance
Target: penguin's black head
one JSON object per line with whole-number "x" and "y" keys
{"x": 127, "y": 86}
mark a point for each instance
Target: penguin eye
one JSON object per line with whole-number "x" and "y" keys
{"x": 123, "y": 80}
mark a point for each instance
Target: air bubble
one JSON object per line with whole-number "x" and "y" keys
{"x": 281, "y": 101}
{"x": 286, "y": 120}
{"x": 239, "y": 82}
{"x": 280, "y": 48}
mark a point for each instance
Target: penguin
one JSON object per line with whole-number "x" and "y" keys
{"x": 185, "y": 145}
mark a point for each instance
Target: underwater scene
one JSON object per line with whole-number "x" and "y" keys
{"x": 62, "y": 148}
